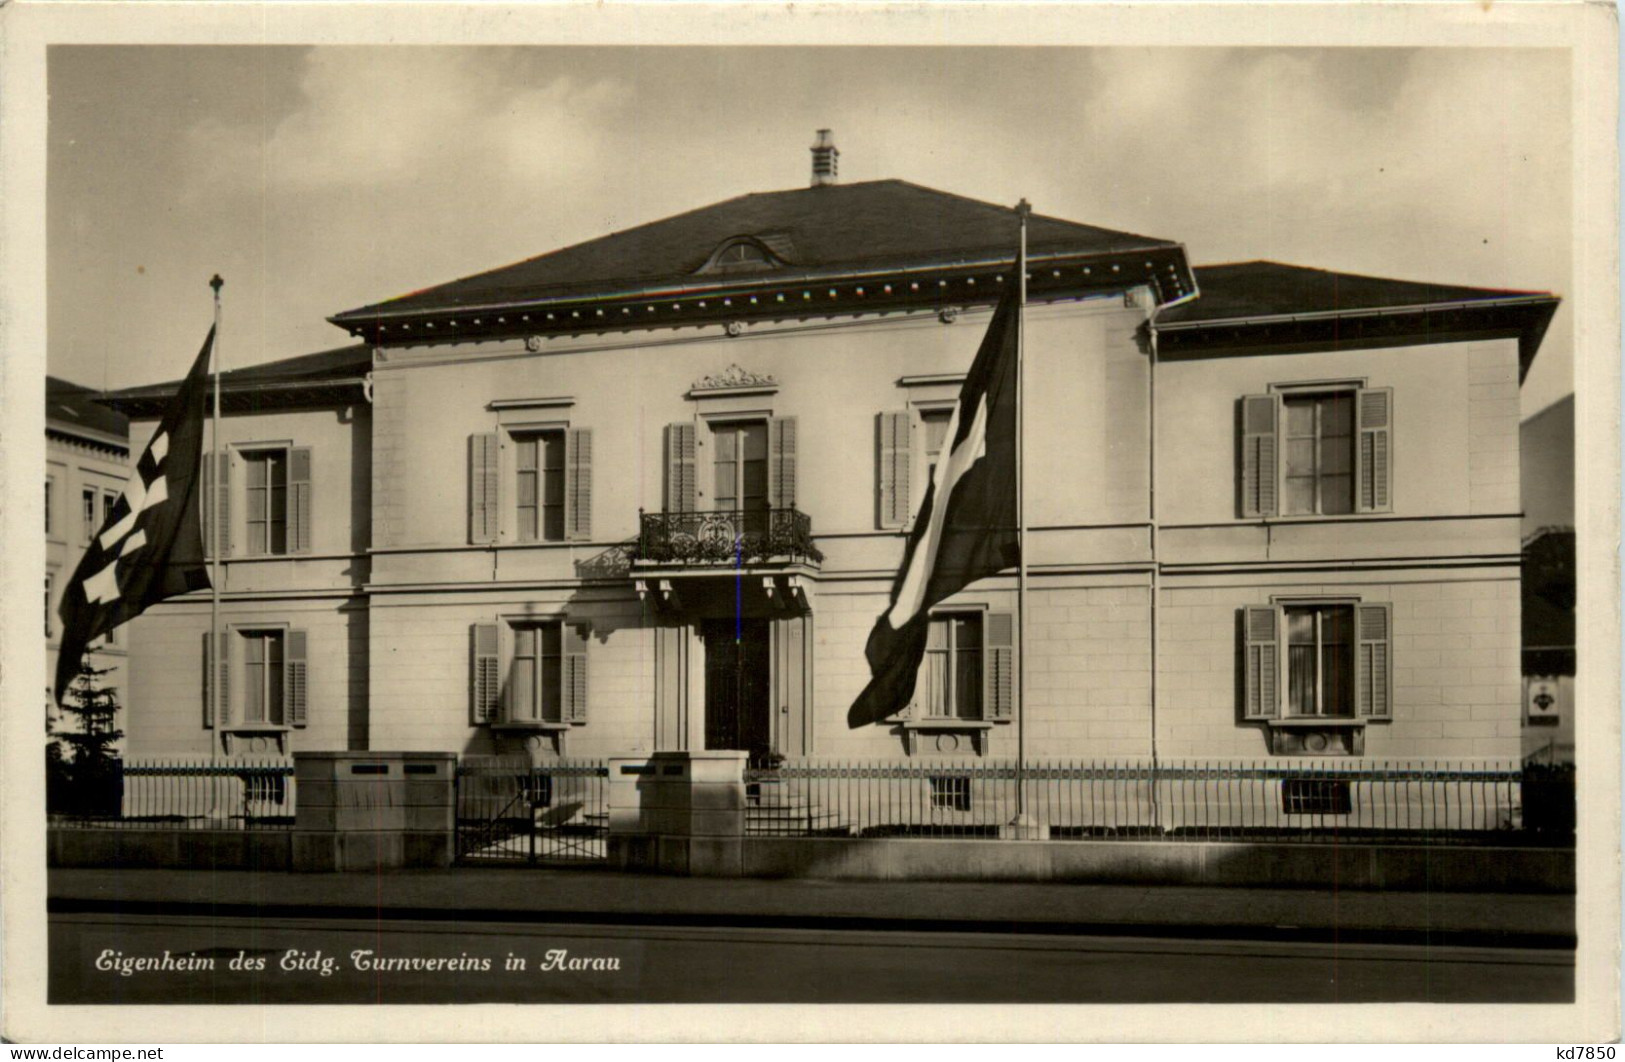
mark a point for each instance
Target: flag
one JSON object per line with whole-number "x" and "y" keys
{"x": 967, "y": 526}
{"x": 151, "y": 546}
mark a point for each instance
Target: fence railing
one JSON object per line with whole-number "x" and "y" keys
{"x": 137, "y": 794}
{"x": 724, "y": 536}
{"x": 512, "y": 811}
{"x": 1309, "y": 801}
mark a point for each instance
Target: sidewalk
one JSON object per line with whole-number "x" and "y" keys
{"x": 604, "y": 897}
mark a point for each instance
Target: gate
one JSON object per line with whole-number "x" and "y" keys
{"x": 514, "y": 812}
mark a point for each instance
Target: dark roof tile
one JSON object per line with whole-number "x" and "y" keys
{"x": 873, "y": 224}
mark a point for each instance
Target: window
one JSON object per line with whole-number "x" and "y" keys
{"x": 260, "y": 678}
{"x": 264, "y": 683}
{"x": 1319, "y": 454}
{"x": 1320, "y": 660}
{"x": 534, "y": 691}
{"x": 1315, "y": 796}
{"x": 1317, "y": 661}
{"x": 87, "y": 504}
{"x": 740, "y": 465}
{"x": 50, "y": 503}
{"x": 950, "y": 682}
{"x": 950, "y": 791}
{"x": 1316, "y": 450}
{"x": 109, "y": 499}
{"x": 266, "y": 487}
{"x": 934, "y": 435}
{"x": 741, "y": 254}
{"x": 549, "y": 472}
{"x": 528, "y": 673}
{"x": 540, "y": 464}
{"x": 48, "y": 580}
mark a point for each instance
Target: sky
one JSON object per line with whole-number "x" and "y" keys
{"x": 319, "y": 179}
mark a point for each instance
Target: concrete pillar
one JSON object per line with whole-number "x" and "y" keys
{"x": 374, "y": 810}
{"x": 678, "y": 813}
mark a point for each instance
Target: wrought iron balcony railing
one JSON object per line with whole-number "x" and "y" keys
{"x": 726, "y": 537}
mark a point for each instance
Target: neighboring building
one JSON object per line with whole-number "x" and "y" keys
{"x": 87, "y": 460}
{"x": 1549, "y": 582}
{"x": 649, "y": 492}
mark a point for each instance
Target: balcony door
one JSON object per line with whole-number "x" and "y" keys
{"x": 738, "y": 686}
{"x": 740, "y": 472}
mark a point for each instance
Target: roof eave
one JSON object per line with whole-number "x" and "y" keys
{"x": 1537, "y": 310}
{"x": 237, "y": 397}
{"x": 1169, "y": 258}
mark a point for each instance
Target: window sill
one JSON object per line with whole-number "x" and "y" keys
{"x": 532, "y": 727}
{"x": 1318, "y": 722}
{"x": 254, "y": 738}
{"x": 946, "y": 723}
{"x": 944, "y": 736}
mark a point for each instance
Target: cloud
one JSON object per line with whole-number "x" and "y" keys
{"x": 371, "y": 117}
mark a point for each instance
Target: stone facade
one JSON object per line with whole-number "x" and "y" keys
{"x": 391, "y": 591}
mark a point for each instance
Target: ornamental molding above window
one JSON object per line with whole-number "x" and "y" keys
{"x": 735, "y": 379}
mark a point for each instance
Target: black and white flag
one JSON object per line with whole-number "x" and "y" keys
{"x": 151, "y": 547}
{"x": 967, "y": 526}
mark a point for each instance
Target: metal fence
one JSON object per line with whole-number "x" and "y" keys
{"x": 141, "y": 794}
{"x": 513, "y": 812}
{"x": 1310, "y": 801}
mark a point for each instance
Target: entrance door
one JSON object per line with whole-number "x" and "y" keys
{"x": 738, "y": 694}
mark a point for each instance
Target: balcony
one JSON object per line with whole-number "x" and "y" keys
{"x": 725, "y": 538}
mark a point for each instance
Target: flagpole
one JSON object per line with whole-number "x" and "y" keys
{"x": 1023, "y": 209}
{"x": 215, "y": 532}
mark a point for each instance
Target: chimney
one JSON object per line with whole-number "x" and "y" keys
{"x": 825, "y": 159}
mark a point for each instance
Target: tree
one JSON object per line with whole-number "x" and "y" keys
{"x": 85, "y": 776}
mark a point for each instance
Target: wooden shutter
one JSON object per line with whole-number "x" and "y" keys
{"x": 484, "y": 487}
{"x": 681, "y": 474}
{"x": 485, "y": 674}
{"x": 216, "y": 490}
{"x": 1259, "y": 417}
{"x": 998, "y": 665}
{"x": 896, "y": 459}
{"x": 1373, "y": 694}
{"x": 294, "y": 672}
{"x": 208, "y": 679}
{"x": 573, "y": 646}
{"x": 781, "y": 462}
{"x": 222, "y": 674}
{"x": 578, "y": 484}
{"x": 299, "y": 499}
{"x": 1261, "y": 666}
{"x": 1374, "y": 458}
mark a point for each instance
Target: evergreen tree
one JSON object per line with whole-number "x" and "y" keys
{"x": 80, "y": 758}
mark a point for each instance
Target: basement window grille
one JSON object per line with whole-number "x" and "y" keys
{"x": 1315, "y": 796}
{"x": 950, "y": 792}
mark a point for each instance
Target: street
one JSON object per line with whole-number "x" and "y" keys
{"x": 343, "y": 960}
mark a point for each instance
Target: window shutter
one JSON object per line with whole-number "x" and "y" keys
{"x": 895, "y": 463}
{"x": 299, "y": 499}
{"x": 1259, "y": 416}
{"x": 998, "y": 665}
{"x": 1372, "y": 675}
{"x": 208, "y": 679}
{"x": 222, "y": 673}
{"x": 484, "y": 487}
{"x": 681, "y": 476}
{"x": 485, "y": 674}
{"x": 1262, "y": 668}
{"x": 573, "y": 642}
{"x": 293, "y": 665}
{"x": 578, "y": 483}
{"x": 781, "y": 462}
{"x": 1375, "y": 455}
{"x": 216, "y": 489}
